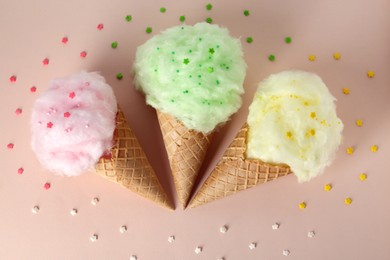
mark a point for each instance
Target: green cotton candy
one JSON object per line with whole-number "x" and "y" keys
{"x": 194, "y": 73}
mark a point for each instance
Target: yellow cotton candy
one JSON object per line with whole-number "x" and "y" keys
{"x": 292, "y": 120}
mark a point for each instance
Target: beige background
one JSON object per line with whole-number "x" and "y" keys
{"x": 360, "y": 30}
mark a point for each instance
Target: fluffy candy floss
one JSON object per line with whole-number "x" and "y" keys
{"x": 293, "y": 121}
{"x": 73, "y": 123}
{"x": 194, "y": 73}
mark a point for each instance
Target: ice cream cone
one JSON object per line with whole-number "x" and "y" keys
{"x": 128, "y": 165}
{"x": 234, "y": 173}
{"x": 186, "y": 150}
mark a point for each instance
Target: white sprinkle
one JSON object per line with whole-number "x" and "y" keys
{"x": 221, "y": 258}
{"x": 275, "y": 226}
{"x": 286, "y": 252}
{"x": 171, "y": 239}
{"x": 73, "y": 212}
{"x": 198, "y": 250}
{"x": 311, "y": 234}
{"x": 123, "y": 229}
{"x": 133, "y": 257}
{"x": 95, "y": 201}
{"x": 35, "y": 209}
{"x": 87, "y": 126}
{"x": 223, "y": 229}
{"x": 94, "y": 237}
{"x": 252, "y": 245}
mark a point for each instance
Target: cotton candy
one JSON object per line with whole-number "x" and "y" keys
{"x": 292, "y": 120}
{"x": 194, "y": 73}
{"x": 72, "y": 123}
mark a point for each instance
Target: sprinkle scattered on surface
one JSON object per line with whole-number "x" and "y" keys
{"x": 302, "y": 205}
{"x": 288, "y": 39}
{"x": 223, "y": 229}
{"x": 94, "y": 238}
{"x": 327, "y": 187}
{"x": 348, "y": 201}
{"x": 95, "y": 201}
{"x": 312, "y": 57}
{"x": 350, "y": 150}
{"x": 311, "y": 234}
{"x": 374, "y": 148}
{"x": 35, "y": 209}
{"x": 246, "y": 12}
{"x": 123, "y": 229}
{"x": 359, "y": 122}
{"x": 252, "y": 245}
{"x": 346, "y": 91}
{"x": 171, "y": 239}
{"x": 275, "y": 226}
{"x": 198, "y": 250}
{"x": 336, "y": 56}
{"x": 73, "y": 212}
{"x": 249, "y": 39}
{"x": 286, "y": 252}
{"x": 362, "y": 176}
{"x": 370, "y": 74}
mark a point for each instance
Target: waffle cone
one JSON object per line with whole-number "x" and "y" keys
{"x": 128, "y": 165}
{"x": 234, "y": 173}
{"x": 186, "y": 150}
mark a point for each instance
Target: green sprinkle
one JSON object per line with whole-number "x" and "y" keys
{"x": 249, "y": 39}
{"x": 172, "y": 100}
{"x": 211, "y": 51}
{"x": 210, "y": 69}
{"x": 148, "y": 30}
{"x": 199, "y": 83}
{"x": 163, "y": 10}
{"x": 155, "y": 70}
{"x": 199, "y": 76}
{"x": 177, "y": 71}
{"x": 246, "y": 12}
{"x": 158, "y": 48}
{"x": 186, "y": 61}
{"x": 128, "y": 18}
{"x": 114, "y": 45}
{"x": 271, "y": 57}
{"x": 173, "y": 60}
{"x": 190, "y": 76}
{"x": 173, "y": 52}
{"x": 119, "y": 76}
{"x": 182, "y": 18}
{"x": 190, "y": 51}
{"x": 200, "y": 39}
{"x": 227, "y": 67}
{"x": 209, "y": 7}
{"x": 185, "y": 91}
{"x": 217, "y": 81}
{"x": 217, "y": 46}
{"x": 209, "y": 20}
{"x": 287, "y": 39}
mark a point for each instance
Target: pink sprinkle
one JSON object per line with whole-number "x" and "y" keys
{"x": 10, "y": 146}
{"x": 100, "y": 26}
{"x": 72, "y": 95}
{"x": 18, "y": 111}
{"x": 20, "y": 170}
{"x": 33, "y": 89}
{"x": 66, "y": 114}
{"x": 64, "y": 40}
{"x": 45, "y": 61}
{"x": 12, "y": 79}
{"x": 47, "y": 186}
{"x": 83, "y": 54}
{"x": 49, "y": 125}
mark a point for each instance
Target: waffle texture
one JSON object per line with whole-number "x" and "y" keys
{"x": 128, "y": 165}
{"x": 186, "y": 150}
{"x": 234, "y": 173}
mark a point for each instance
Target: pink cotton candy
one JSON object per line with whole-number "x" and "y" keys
{"x": 73, "y": 123}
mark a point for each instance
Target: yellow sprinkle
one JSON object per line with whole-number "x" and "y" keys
{"x": 359, "y": 122}
{"x": 327, "y": 187}
{"x": 363, "y": 176}
{"x": 348, "y": 201}
{"x": 313, "y": 114}
{"x": 370, "y": 74}
{"x": 306, "y": 103}
{"x": 346, "y": 91}
{"x": 289, "y": 135}
{"x": 302, "y": 205}
{"x": 336, "y": 56}
{"x": 312, "y": 132}
{"x": 350, "y": 150}
{"x": 312, "y": 57}
{"x": 374, "y": 148}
